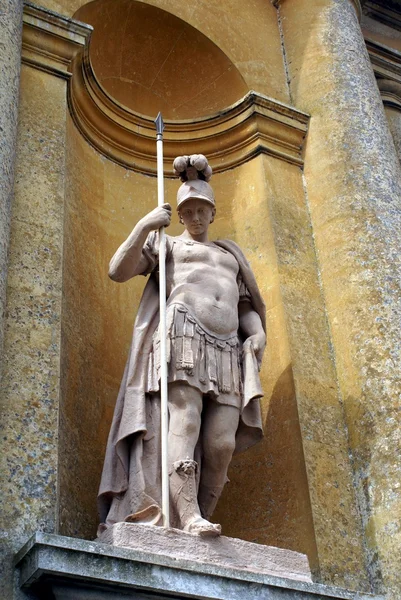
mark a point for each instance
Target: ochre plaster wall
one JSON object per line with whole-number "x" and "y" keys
{"x": 149, "y": 60}
{"x": 247, "y": 32}
{"x": 324, "y": 432}
{"x": 353, "y": 181}
{"x": 29, "y": 394}
{"x": 103, "y": 201}
{"x": 267, "y": 500}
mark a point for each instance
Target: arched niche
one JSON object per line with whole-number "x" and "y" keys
{"x": 148, "y": 60}
{"x": 268, "y": 498}
{"x": 141, "y": 60}
{"x": 248, "y": 35}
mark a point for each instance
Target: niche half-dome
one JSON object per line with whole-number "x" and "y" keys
{"x": 148, "y": 60}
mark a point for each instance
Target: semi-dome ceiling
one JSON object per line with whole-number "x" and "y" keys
{"x": 148, "y": 60}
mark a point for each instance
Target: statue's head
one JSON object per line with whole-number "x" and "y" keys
{"x": 195, "y": 172}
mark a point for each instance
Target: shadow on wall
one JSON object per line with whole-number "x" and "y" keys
{"x": 267, "y": 483}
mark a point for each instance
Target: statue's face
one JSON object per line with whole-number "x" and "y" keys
{"x": 197, "y": 214}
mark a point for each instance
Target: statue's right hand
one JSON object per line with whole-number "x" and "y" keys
{"x": 158, "y": 217}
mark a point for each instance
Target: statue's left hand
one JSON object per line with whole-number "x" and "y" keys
{"x": 258, "y": 343}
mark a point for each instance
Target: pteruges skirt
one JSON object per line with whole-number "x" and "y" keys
{"x": 207, "y": 362}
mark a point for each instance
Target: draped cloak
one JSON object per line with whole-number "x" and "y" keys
{"x": 131, "y": 470}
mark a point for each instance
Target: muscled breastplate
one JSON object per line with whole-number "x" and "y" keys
{"x": 203, "y": 277}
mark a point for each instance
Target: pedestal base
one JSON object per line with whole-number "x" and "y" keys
{"x": 52, "y": 566}
{"x": 219, "y": 551}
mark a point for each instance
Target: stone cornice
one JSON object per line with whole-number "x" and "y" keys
{"x": 386, "y": 61}
{"x": 255, "y": 124}
{"x": 390, "y": 92}
{"x": 356, "y": 3}
{"x": 50, "y": 41}
{"x": 385, "y": 15}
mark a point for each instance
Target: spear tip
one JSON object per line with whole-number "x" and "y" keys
{"x": 159, "y": 124}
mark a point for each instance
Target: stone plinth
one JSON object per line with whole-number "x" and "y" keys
{"x": 66, "y": 568}
{"x": 220, "y": 551}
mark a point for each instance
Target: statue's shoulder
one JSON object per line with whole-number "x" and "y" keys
{"x": 227, "y": 243}
{"x": 232, "y": 247}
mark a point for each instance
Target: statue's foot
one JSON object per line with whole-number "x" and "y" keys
{"x": 199, "y": 526}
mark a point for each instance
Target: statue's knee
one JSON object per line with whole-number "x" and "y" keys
{"x": 185, "y": 420}
{"x": 191, "y": 424}
{"x": 221, "y": 450}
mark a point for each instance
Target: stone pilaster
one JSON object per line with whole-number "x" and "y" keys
{"x": 29, "y": 390}
{"x": 353, "y": 185}
{"x": 391, "y": 95}
{"x": 10, "y": 61}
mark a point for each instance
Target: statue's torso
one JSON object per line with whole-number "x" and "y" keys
{"x": 204, "y": 278}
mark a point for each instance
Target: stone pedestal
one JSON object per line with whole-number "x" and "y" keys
{"x": 72, "y": 569}
{"x": 221, "y": 552}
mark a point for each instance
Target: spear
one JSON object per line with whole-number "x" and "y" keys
{"x": 162, "y": 328}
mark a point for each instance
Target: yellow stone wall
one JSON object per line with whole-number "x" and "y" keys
{"x": 29, "y": 392}
{"x": 247, "y": 32}
{"x": 353, "y": 186}
{"x": 68, "y": 325}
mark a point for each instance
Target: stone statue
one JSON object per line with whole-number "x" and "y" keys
{"x": 215, "y": 342}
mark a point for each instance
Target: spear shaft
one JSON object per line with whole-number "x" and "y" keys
{"x": 162, "y": 329}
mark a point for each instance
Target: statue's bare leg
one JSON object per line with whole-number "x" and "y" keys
{"x": 219, "y": 426}
{"x": 185, "y": 408}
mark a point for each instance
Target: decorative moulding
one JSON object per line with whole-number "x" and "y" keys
{"x": 387, "y": 15}
{"x": 390, "y": 92}
{"x": 255, "y": 124}
{"x": 358, "y": 8}
{"x": 386, "y": 62}
{"x": 50, "y": 41}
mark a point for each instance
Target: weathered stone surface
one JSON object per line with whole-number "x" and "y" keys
{"x": 77, "y": 569}
{"x": 223, "y": 552}
{"x": 353, "y": 183}
{"x": 394, "y": 121}
{"x": 29, "y": 392}
{"x": 321, "y": 415}
{"x": 10, "y": 61}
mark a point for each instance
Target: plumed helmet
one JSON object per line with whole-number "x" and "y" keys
{"x": 195, "y": 188}
{"x": 195, "y": 172}
{"x": 195, "y": 166}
